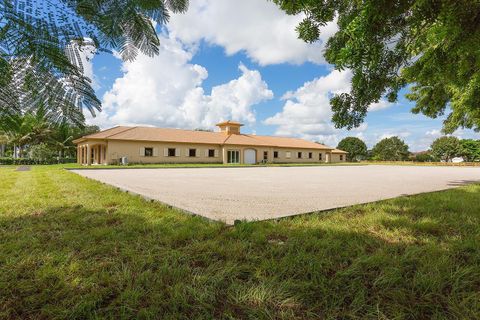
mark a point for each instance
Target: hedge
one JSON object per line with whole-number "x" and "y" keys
{"x": 28, "y": 161}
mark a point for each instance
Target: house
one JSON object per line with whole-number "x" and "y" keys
{"x": 228, "y": 145}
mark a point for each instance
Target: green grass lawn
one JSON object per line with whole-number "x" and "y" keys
{"x": 72, "y": 248}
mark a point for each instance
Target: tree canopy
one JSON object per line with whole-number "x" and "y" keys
{"x": 446, "y": 148}
{"x": 470, "y": 149}
{"x": 390, "y": 149}
{"x": 431, "y": 47}
{"x": 356, "y": 148}
{"x": 34, "y": 133}
{"x": 39, "y": 47}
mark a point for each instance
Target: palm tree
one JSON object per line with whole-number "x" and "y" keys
{"x": 62, "y": 139}
{"x": 27, "y": 129}
{"x": 3, "y": 143}
{"x": 38, "y": 50}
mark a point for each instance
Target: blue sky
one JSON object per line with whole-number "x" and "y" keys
{"x": 248, "y": 67}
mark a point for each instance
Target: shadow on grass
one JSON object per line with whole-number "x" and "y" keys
{"x": 414, "y": 257}
{"x": 459, "y": 183}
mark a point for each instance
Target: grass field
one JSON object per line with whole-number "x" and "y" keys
{"x": 77, "y": 249}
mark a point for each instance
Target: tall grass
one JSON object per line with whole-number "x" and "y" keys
{"x": 72, "y": 248}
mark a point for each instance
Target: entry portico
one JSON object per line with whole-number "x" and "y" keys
{"x": 92, "y": 153}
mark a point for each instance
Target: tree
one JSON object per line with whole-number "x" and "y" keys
{"x": 22, "y": 132}
{"x": 3, "y": 143}
{"x": 446, "y": 148}
{"x": 430, "y": 47}
{"x": 356, "y": 148}
{"x": 63, "y": 135}
{"x": 40, "y": 44}
{"x": 423, "y": 157}
{"x": 31, "y": 128}
{"x": 390, "y": 149}
{"x": 470, "y": 150}
{"x": 41, "y": 153}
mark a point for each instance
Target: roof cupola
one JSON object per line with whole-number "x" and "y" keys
{"x": 229, "y": 127}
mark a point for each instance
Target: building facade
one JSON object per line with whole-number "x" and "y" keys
{"x": 229, "y": 146}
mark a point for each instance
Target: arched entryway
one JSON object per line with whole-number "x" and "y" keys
{"x": 250, "y": 156}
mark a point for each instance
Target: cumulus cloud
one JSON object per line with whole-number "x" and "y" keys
{"x": 166, "y": 90}
{"x": 258, "y": 28}
{"x": 424, "y": 140}
{"x": 307, "y": 112}
{"x": 382, "y": 104}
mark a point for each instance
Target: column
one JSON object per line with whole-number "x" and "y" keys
{"x": 89, "y": 155}
{"x": 224, "y": 155}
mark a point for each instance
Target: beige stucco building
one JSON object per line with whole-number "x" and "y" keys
{"x": 228, "y": 145}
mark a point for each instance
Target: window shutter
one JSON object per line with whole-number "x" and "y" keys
{"x": 216, "y": 153}
{"x": 177, "y": 152}
{"x": 142, "y": 152}
{"x": 155, "y": 152}
{"x": 206, "y": 153}
{"x": 165, "y": 152}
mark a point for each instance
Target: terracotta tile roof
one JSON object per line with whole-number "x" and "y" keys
{"x": 246, "y": 139}
{"x": 207, "y": 137}
{"x": 168, "y": 135}
{"x": 338, "y": 151}
{"x": 104, "y": 133}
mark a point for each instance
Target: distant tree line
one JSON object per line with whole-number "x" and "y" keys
{"x": 40, "y": 137}
{"x": 443, "y": 149}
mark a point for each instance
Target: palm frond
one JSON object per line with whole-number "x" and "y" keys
{"x": 39, "y": 63}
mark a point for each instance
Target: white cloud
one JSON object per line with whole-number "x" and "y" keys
{"x": 166, "y": 90}
{"x": 433, "y": 133}
{"x": 424, "y": 141}
{"x": 259, "y": 28}
{"x": 400, "y": 134}
{"x": 382, "y": 104}
{"x": 307, "y": 112}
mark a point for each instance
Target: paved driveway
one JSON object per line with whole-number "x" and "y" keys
{"x": 261, "y": 193}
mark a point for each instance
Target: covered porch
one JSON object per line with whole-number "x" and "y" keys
{"x": 88, "y": 154}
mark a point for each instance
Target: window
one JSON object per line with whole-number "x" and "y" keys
{"x": 171, "y": 152}
{"x": 310, "y": 155}
{"x": 233, "y": 156}
{"x": 265, "y": 155}
{"x": 320, "y": 156}
{"x": 299, "y": 155}
{"x": 288, "y": 154}
{"x": 275, "y": 154}
{"x": 341, "y": 157}
{"x": 211, "y": 153}
{"x": 192, "y": 152}
{"x": 148, "y": 152}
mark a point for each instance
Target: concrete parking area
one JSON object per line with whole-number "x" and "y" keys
{"x": 258, "y": 193}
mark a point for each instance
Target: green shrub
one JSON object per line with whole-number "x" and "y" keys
{"x": 29, "y": 161}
